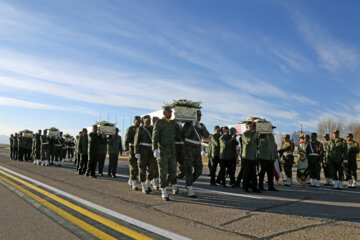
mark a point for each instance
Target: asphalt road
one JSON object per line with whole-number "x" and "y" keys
{"x": 217, "y": 213}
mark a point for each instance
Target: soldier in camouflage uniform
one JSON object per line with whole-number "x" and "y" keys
{"x": 337, "y": 153}
{"x": 267, "y": 156}
{"x": 325, "y": 165}
{"x": 130, "y": 152}
{"x": 45, "y": 148}
{"x": 115, "y": 147}
{"x": 351, "y": 166}
{"x": 163, "y": 145}
{"x": 144, "y": 154}
{"x": 193, "y": 132}
{"x": 314, "y": 152}
{"x": 286, "y": 150}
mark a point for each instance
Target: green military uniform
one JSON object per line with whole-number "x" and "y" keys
{"x": 193, "y": 162}
{"x": 214, "y": 150}
{"x": 45, "y": 148}
{"x": 227, "y": 154}
{"x": 115, "y": 147}
{"x": 28, "y": 148}
{"x": 314, "y": 152}
{"x": 70, "y": 149}
{"x": 351, "y": 166}
{"x": 15, "y": 147}
{"x": 267, "y": 156}
{"x": 249, "y": 157}
{"x": 21, "y": 147}
{"x": 102, "y": 153}
{"x": 93, "y": 153}
{"x": 83, "y": 151}
{"x": 337, "y": 152}
{"x": 52, "y": 149}
{"x": 37, "y": 146}
{"x": 77, "y": 155}
{"x": 11, "y": 147}
{"x": 146, "y": 162}
{"x": 164, "y": 142}
{"x": 180, "y": 151}
{"x": 287, "y": 149}
{"x": 129, "y": 148}
{"x": 325, "y": 163}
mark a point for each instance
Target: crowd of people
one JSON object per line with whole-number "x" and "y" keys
{"x": 54, "y": 149}
{"x": 162, "y": 151}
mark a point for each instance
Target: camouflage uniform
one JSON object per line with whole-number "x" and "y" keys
{"x": 164, "y": 142}
{"x": 193, "y": 162}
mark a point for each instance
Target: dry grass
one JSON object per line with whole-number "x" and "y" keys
{"x": 5, "y": 147}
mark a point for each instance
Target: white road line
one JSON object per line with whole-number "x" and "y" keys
{"x": 225, "y": 193}
{"x": 146, "y": 226}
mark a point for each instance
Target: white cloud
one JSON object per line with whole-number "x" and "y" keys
{"x": 18, "y": 103}
{"x": 334, "y": 54}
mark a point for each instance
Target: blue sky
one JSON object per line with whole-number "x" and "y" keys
{"x": 63, "y": 63}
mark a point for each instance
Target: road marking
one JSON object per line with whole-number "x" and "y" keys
{"x": 87, "y": 227}
{"x": 133, "y": 221}
{"x": 239, "y": 194}
{"x": 83, "y": 211}
{"x": 224, "y": 193}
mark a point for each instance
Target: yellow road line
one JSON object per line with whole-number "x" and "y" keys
{"x": 87, "y": 227}
{"x": 83, "y": 211}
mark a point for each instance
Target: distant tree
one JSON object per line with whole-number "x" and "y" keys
{"x": 354, "y": 128}
{"x": 329, "y": 124}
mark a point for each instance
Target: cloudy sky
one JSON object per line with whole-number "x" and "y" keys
{"x": 64, "y": 63}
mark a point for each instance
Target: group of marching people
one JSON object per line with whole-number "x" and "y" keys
{"x": 155, "y": 151}
{"x": 161, "y": 151}
{"x": 259, "y": 154}
{"x": 40, "y": 148}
